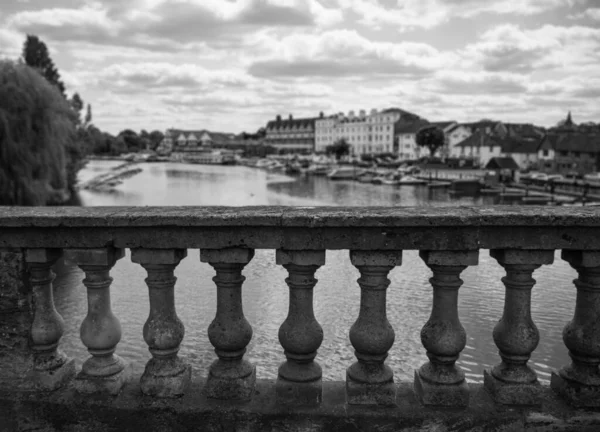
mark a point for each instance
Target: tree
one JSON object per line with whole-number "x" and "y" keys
{"x": 339, "y": 148}
{"x": 35, "y": 54}
{"x": 88, "y": 116}
{"x": 77, "y": 105}
{"x": 156, "y": 138}
{"x": 431, "y": 137}
{"x": 36, "y": 132}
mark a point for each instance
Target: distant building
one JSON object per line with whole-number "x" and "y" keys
{"x": 195, "y": 145}
{"x": 572, "y": 152}
{"x": 482, "y": 147}
{"x": 461, "y": 131}
{"x": 365, "y": 133}
{"x": 291, "y": 135}
{"x": 406, "y": 137}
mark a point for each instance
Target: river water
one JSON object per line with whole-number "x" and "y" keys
{"x": 337, "y": 295}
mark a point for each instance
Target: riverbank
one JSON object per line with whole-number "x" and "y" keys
{"x": 107, "y": 182}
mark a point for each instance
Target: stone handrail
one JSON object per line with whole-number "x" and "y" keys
{"x": 448, "y": 240}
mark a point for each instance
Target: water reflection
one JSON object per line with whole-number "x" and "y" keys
{"x": 337, "y": 294}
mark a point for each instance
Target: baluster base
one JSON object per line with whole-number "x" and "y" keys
{"x": 309, "y": 393}
{"x": 166, "y": 378}
{"x": 230, "y": 382}
{"x": 358, "y": 393}
{"x": 434, "y": 394}
{"x": 108, "y": 384}
{"x": 575, "y": 393}
{"x": 52, "y": 377}
{"x": 507, "y": 393}
{"x": 370, "y": 384}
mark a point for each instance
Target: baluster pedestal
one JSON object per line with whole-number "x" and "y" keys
{"x": 579, "y": 383}
{"x": 104, "y": 371}
{"x": 513, "y": 382}
{"x": 166, "y": 375}
{"x": 299, "y": 381}
{"x": 369, "y": 381}
{"x": 440, "y": 382}
{"x": 51, "y": 368}
{"x": 231, "y": 377}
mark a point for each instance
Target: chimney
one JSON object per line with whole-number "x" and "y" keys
{"x": 291, "y": 118}
{"x": 321, "y": 115}
{"x": 373, "y": 111}
{"x": 362, "y": 113}
{"x": 278, "y": 118}
{"x": 351, "y": 114}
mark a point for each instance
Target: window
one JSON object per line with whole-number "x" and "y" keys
{"x": 546, "y": 152}
{"x": 576, "y": 154}
{"x": 564, "y": 153}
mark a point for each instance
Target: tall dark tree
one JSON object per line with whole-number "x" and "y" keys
{"x": 431, "y": 137}
{"x": 88, "y": 116}
{"x": 77, "y": 105}
{"x": 36, "y": 55}
{"x": 36, "y": 131}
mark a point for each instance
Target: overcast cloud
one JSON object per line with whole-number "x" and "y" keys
{"x": 232, "y": 65}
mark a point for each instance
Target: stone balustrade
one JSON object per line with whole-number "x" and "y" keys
{"x": 448, "y": 240}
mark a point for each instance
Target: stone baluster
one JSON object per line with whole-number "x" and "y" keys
{"x": 440, "y": 382}
{"x": 103, "y": 372}
{"x": 51, "y": 368}
{"x": 369, "y": 381}
{"x": 299, "y": 381}
{"x": 230, "y": 377}
{"x": 166, "y": 375}
{"x": 513, "y": 382}
{"x": 579, "y": 383}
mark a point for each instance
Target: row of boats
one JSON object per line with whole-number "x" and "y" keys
{"x": 401, "y": 176}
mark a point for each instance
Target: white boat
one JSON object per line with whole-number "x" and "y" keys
{"x": 410, "y": 180}
{"x": 343, "y": 173}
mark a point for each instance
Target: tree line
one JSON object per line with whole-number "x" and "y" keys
{"x": 46, "y": 136}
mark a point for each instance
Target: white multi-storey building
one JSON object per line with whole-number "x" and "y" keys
{"x": 372, "y": 133}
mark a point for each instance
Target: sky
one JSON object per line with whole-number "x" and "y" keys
{"x": 233, "y": 65}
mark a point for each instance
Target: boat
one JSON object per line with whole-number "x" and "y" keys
{"x": 343, "y": 173}
{"x": 490, "y": 191}
{"x": 318, "y": 170}
{"x": 366, "y": 177}
{"x": 439, "y": 184}
{"x": 410, "y": 180}
{"x": 378, "y": 179}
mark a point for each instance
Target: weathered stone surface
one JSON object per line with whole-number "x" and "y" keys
{"x": 577, "y": 394}
{"x": 512, "y": 381}
{"x": 442, "y": 395}
{"x": 300, "y": 257}
{"x": 465, "y": 228}
{"x": 512, "y": 393}
{"x": 103, "y": 384}
{"x": 169, "y": 378}
{"x": 579, "y": 382}
{"x": 16, "y": 317}
{"x": 361, "y": 393}
{"x": 65, "y": 410}
{"x": 231, "y": 383}
{"x": 299, "y": 394}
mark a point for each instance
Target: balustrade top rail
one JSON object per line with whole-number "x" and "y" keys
{"x": 271, "y": 227}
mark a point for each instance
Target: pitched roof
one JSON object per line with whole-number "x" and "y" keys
{"x": 443, "y": 124}
{"x": 216, "y": 137}
{"x": 502, "y": 163}
{"x": 520, "y": 145}
{"x": 409, "y": 126}
{"x": 477, "y": 139}
{"x": 578, "y": 142}
{"x": 294, "y": 122}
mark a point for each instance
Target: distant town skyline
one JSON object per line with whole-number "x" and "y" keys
{"x": 233, "y": 65}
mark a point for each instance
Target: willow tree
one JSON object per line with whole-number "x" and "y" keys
{"x": 36, "y": 126}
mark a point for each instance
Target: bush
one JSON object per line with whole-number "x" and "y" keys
{"x": 37, "y": 138}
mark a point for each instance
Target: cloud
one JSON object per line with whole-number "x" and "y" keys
{"x": 509, "y": 48}
{"x": 345, "y": 53}
{"x": 479, "y": 83}
{"x": 162, "y": 25}
{"x": 591, "y": 13}
{"x": 411, "y": 14}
